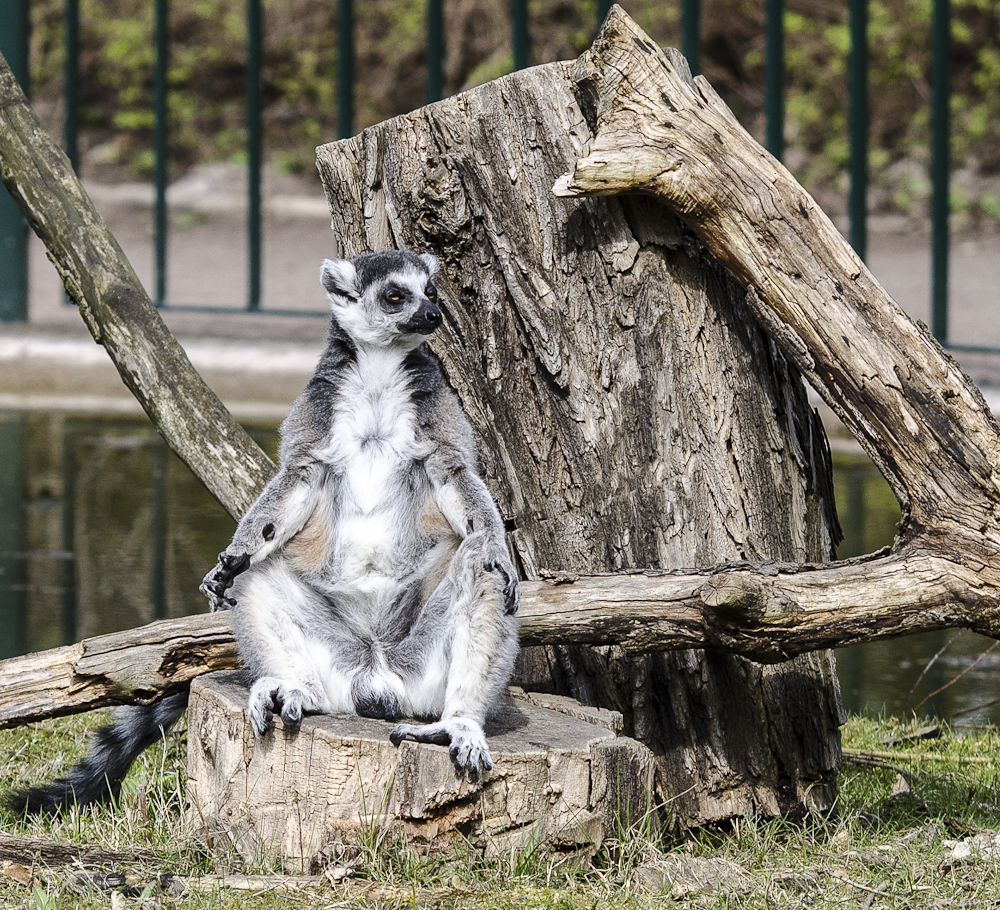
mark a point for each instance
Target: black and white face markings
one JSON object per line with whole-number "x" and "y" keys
{"x": 372, "y": 575}
{"x": 383, "y": 299}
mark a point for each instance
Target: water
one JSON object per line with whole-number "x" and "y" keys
{"x": 920, "y": 674}
{"x": 102, "y": 528}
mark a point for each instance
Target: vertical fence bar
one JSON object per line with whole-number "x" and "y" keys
{"x": 691, "y": 34}
{"x": 603, "y": 8}
{"x": 254, "y": 152}
{"x": 520, "y": 37}
{"x": 71, "y": 81}
{"x": 774, "y": 77}
{"x": 160, "y": 65}
{"x": 435, "y": 50}
{"x": 345, "y": 68}
{"x": 14, "y": 26}
{"x": 68, "y": 622}
{"x": 857, "y": 202}
{"x": 158, "y": 529}
{"x": 940, "y": 166}
{"x": 13, "y": 601}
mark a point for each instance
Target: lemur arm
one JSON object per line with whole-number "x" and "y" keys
{"x": 462, "y": 495}
{"x": 279, "y": 513}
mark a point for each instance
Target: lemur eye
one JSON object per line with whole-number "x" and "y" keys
{"x": 431, "y": 292}
{"x": 393, "y": 296}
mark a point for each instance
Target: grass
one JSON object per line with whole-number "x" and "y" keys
{"x": 906, "y": 803}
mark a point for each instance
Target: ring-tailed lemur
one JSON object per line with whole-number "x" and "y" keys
{"x": 371, "y": 576}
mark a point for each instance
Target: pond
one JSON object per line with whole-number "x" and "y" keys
{"x": 102, "y": 528}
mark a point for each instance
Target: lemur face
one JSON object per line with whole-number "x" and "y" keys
{"x": 383, "y": 299}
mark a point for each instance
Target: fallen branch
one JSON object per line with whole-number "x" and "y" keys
{"x": 134, "y": 667}
{"x": 767, "y": 615}
{"x": 30, "y": 850}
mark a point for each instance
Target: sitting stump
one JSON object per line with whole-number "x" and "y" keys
{"x": 563, "y": 776}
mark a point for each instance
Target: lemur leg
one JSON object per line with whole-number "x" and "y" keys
{"x": 466, "y": 632}
{"x": 294, "y": 669}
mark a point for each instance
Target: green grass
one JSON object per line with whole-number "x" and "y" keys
{"x": 888, "y": 844}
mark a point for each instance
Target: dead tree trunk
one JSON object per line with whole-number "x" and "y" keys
{"x": 632, "y": 415}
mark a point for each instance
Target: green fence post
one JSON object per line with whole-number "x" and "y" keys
{"x": 12, "y": 600}
{"x": 603, "y": 8}
{"x": 255, "y": 131}
{"x": 160, "y": 64}
{"x": 67, "y": 523}
{"x": 857, "y": 91}
{"x": 774, "y": 78}
{"x": 71, "y": 80}
{"x": 345, "y": 68}
{"x": 435, "y": 50}
{"x": 940, "y": 166}
{"x": 691, "y": 34}
{"x": 158, "y": 522}
{"x": 14, "y": 26}
{"x": 520, "y": 37}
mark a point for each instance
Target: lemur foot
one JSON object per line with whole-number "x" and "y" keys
{"x": 465, "y": 740}
{"x": 270, "y": 694}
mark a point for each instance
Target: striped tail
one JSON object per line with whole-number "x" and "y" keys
{"x": 98, "y": 778}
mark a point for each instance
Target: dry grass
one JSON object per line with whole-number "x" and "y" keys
{"x": 914, "y": 830}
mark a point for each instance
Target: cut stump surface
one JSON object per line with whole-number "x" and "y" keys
{"x": 562, "y": 776}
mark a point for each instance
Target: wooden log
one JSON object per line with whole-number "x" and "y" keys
{"x": 792, "y": 610}
{"x": 30, "y": 850}
{"x": 561, "y": 777}
{"x": 133, "y": 667}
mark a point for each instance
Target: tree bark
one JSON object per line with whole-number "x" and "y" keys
{"x": 631, "y": 416}
{"x": 118, "y": 311}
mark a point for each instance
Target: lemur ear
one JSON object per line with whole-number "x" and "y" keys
{"x": 339, "y": 278}
{"x": 431, "y": 262}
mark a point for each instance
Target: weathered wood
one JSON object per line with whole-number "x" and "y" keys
{"x": 631, "y": 416}
{"x": 911, "y": 407}
{"x": 118, "y": 311}
{"x": 794, "y": 610}
{"x": 558, "y": 779}
{"x": 526, "y": 300}
{"x": 133, "y": 667}
{"x": 30, "y": 850}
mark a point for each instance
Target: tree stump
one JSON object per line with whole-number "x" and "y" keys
{"x": 631, "y": 414}
{"x": 562, "y": 777}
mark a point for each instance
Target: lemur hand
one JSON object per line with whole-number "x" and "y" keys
{"x": 496, "y": 559}
{"x": 220, "y": 579}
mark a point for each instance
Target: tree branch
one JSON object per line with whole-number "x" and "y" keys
{"x": 906, "y": 401}
{"x": 118, "y": 311}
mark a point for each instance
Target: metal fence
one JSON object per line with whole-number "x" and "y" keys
{"x": 14, "y": 46}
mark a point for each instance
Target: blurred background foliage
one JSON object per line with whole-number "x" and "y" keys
{"x": 207, "y": 71}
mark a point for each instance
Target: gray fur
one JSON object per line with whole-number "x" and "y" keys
{"x": 372, "y": 575}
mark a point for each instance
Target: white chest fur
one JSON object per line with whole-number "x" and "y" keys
{"x": 372, "y": 448}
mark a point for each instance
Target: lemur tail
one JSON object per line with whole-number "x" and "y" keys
{"x": 98, "y": 778}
